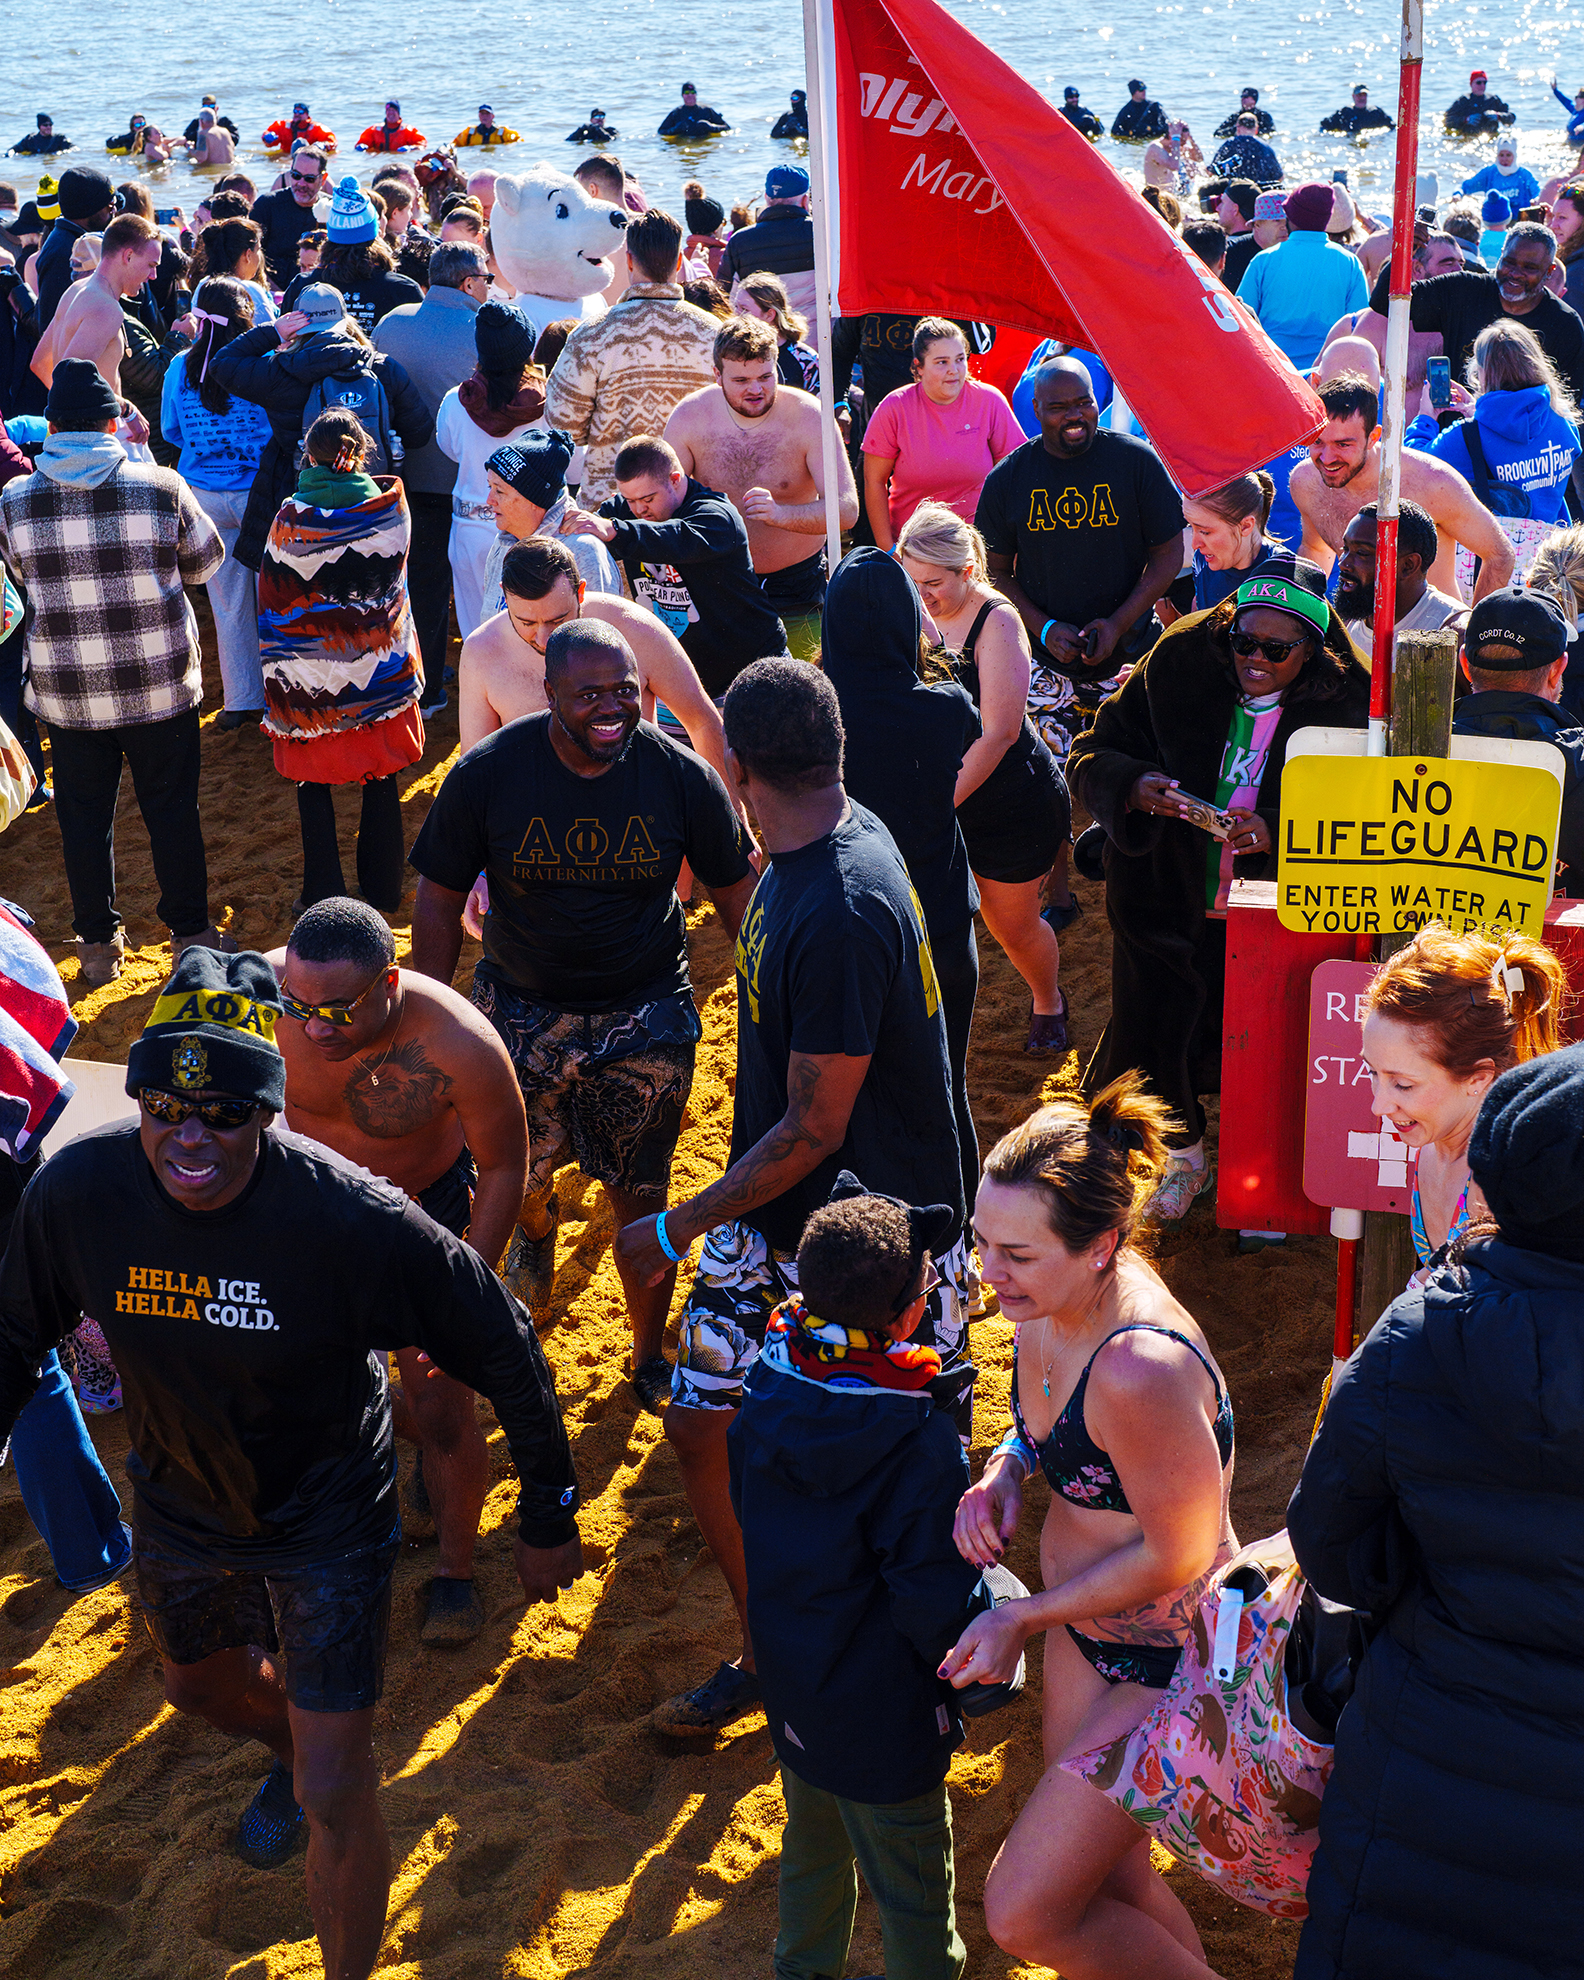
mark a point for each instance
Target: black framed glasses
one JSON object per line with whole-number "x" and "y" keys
{"x": 932, "y": 1279}
{"x": 1245, "y": 646}
{"x": 339, "y": 1011}
{"x": 173, "y": 1109}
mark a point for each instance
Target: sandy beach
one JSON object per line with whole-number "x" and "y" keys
{"x": 540, "y": 1828}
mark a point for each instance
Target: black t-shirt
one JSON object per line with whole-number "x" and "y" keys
{"x": 1461, "y": 304}
{"x": 1079, "y": 531}
{"x": 366, "y": 302}
{"x": 832, "y": 957}
{"x": 696, "y": 575}
{"x": 1240, "y": 251}
{"x": 251, "y": 1344}
{"x": 284, "y": 223}
{"x": 582, "y": 870}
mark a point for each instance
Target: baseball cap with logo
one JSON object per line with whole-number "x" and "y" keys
{"x": 1524, "y": 622}
{"x": 1070, "y": 94}
{"x": 786, "y": 182}
{"x": 322, "y": 305}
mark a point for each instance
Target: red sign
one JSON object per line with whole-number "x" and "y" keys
{"x": 1352, "y": 1159}
{"x": 961, "y": 192}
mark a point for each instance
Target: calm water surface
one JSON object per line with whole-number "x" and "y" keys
{"x": 91, "y": 63}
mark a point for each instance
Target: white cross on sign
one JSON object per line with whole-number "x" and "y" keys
{"x": 1392, "y": 1155}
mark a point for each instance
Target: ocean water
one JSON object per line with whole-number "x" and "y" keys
{"x": 543, "y": 65}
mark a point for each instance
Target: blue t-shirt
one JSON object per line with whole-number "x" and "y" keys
{"x": 218, "y": 450}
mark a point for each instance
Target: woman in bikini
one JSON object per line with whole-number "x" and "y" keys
{"x": 1116, "y": 1397}
{"x": 1443, "y": 1017}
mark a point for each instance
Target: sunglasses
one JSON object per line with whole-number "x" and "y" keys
{"x": 339, "y": 1012}
{"x": 932, "y": 1279}
{"x": 173, "y": 1110}
{"x": 305, "y": 178}
{"x": 1245, "y": 646}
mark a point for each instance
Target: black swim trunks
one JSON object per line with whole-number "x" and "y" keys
{"x": 603, "y": 1089}
{"x": 449, "y": 1198}
{"x": 797, "y": 594}
{"x": 329, "y": 1622}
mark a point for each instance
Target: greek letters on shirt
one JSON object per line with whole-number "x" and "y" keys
{"x": 585, "y": 857}
{"x": 167, "y": 1295}
{"x": 1071, "y": 508}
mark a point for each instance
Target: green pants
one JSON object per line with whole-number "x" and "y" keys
{"x": 904, "y": 1849}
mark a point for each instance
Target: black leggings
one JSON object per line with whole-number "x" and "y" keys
{"x": 956, "y": 957}
{"x": 380, "y": 852}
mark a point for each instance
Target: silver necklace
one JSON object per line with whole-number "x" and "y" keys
{"x": 384, "y": 1059}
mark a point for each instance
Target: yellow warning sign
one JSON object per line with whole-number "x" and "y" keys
{"x": 1381, "y": 845}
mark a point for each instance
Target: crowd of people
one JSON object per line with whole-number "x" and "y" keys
{"x": 328, "y": 405}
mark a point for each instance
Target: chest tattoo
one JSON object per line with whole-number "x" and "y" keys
{"x": 396, "y": 1095}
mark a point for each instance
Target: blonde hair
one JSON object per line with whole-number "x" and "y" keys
{"x": 1558, "y": 570}
{"x": 1453, "y": 989}
{"x": 769, "y": 292}
{"x": 935, "y": 534}
{"x": 1508, "y": 357}
{"x": 1094, "y": 1163}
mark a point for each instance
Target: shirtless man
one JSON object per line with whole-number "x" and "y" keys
{"x": 212, "y": 146}
{"x": 89, "y": 323}
{"x": 1342, "y": 474}
{"x": 404, "y": 1077}
{"x": 761, "y": 444}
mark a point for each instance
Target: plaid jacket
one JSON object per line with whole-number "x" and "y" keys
{"x": 111, "y": 638}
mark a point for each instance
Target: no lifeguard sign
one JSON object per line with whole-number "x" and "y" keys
{"x": 1383, "y": 844}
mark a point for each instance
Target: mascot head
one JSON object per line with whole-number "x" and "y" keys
{"x": 550, "y": 237}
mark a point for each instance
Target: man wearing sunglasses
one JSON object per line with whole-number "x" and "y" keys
{"x": 250, "y": 1284}
{"x": 403, "y": 1077}
{"x": 288, "y": 213}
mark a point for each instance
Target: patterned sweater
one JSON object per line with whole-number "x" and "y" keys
{"x": 111, "y": 639}
{"x": 621, "y": 374}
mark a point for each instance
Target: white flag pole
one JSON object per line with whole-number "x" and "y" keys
{"x": 823, "y": 178}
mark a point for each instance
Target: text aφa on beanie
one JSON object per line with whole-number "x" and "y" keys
{"x": 212, "y": 1029}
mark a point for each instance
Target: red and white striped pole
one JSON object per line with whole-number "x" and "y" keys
{"x": 1403, "y": 205}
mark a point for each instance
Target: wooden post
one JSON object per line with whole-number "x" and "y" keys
{"x": 1421, "y": 725}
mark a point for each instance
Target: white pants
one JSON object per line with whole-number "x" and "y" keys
{"x": 470, "y": 548}
{"x": 233, "y": 598}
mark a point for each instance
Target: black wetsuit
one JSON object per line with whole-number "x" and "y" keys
{"x": 591, "y": 134}
{"x": 1083, "y": 121}
{"x": 692, "y": 120}
{"x": 1477, "y": 115}
{"x": 37, "y": 145}
{"x": 1350, "y": 120}
{"x": 1137, "y": 123}
{"x": 791, "y": 124}
{"x": 1228, "y": 125}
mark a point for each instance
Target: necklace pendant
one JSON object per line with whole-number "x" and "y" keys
{"x": 1046, "y": 1386}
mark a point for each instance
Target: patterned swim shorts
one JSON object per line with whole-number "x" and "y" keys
{"x": 740, "y": 1282}
{"x": 604, "y": 1089}
{"x": 1061, "y": 709}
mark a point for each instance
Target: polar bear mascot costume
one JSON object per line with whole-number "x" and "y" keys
{"x": 553, "y": 243}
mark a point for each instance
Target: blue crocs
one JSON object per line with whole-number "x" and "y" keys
{"x": 267, "y": 1833}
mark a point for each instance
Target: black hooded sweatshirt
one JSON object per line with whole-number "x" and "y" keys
{"x": 906, "y": 738}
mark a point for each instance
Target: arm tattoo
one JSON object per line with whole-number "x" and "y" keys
{"x": 397, "y": 1094}
{"x": 743, "y": 1187}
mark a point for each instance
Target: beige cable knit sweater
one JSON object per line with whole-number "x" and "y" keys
{"x": 621, "y": 374}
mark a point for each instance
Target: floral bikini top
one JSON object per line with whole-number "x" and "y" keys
{"x": 1074, "y": 1464}
{"x": 1428, "y": 1258}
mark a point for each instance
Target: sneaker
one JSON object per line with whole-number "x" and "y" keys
{"x": 417, "y": 1515}
{"x": 728, "y": 1695}
{"x": 100, "y": 962}
{"x": 1179, "y": 1188}
{"x": 455, "y": 1614}
{"x": 232, "y": 719}
{"x": 530, "y": 1267}
{"x": 1048, "y": 1034}
{"x": 652, "y": 1381}
{"x": 430, "y": 709}
{"x": 206, "y": 938}
{"x": 267, "y": 1833}
{"x": 1060, "y": 915}
{"x": 997, "y": 1586}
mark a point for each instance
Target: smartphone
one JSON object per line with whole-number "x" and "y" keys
{"x": 1219, "y": 824}
{"x": 1534, "y": 213}
{"x": 1209, "y": 201}
{"x": 165, "y": 216}
{"x": 1091, "y": 643}
{"x": 1339, "y": 176}
{"x": 1439, "y": 373}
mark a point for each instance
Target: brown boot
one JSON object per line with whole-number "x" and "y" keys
{"x": 100, "y": 962}
{"x": 206, "y": 938}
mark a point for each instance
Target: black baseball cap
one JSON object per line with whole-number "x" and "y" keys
{"x": 1526, "y": 621}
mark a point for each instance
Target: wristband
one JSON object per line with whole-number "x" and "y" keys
{"x": 664, "y": 1242}
{"x": 1045, "y": 631}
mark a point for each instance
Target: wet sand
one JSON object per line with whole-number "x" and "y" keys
{"x": 539, "y": 1827}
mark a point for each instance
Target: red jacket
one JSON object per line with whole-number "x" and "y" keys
{"x": 378, "y": 137}
{"x": 283, "y": 134}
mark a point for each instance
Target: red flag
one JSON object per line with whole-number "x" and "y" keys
{"x": 961, "y": 192}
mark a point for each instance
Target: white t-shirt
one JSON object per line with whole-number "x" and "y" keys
{"x": 461, "y": 439}
{"x": 1433, "y": 611}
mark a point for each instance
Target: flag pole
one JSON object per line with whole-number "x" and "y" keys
{"x": 1403, "y": 213}
{"x": 820, "y": 182}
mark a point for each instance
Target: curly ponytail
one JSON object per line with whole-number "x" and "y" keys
{"x": 1095, "y": 1164}
{"x": 1475, "y": 998}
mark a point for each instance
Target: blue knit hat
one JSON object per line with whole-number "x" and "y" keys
{"x": 352, "y": 216}
{"x": 1497, "y": 210}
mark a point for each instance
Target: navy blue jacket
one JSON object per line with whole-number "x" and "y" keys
{"x": 54, "y": 272}
{"x": 1531, "y": 718}
{"x": 855, "y": 1590}
{"x": 1445, "y": 1492}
